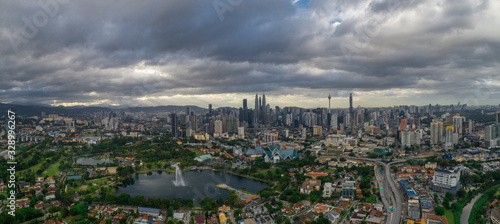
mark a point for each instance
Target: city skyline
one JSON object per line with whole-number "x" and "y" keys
{"x": 175, "y": 53}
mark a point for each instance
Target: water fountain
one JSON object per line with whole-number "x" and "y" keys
{"x": 178, "y": 176}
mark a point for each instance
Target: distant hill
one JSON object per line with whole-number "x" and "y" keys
{"x": 36, "y": 110}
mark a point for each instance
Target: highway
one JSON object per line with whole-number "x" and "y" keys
{"x": 390, "y": 199}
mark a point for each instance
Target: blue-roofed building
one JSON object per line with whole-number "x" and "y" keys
{"x": 426, "y": 203}
{"x": 257, "y": 151}
{"x": 75, "y": 177}
{"x": 409, "y": 193}
{"x": 204, "y": 158}
{"x": 149, "y": 211}
{"x": 276, "y": 154}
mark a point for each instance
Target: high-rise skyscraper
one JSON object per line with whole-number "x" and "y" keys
{"x": 436, "y": 132}
{"x": 256, "y": 111}
{"x": 244, "y": 112}
{"x": 264, "y": 108}
{"x": 175, "y": 131}
{"x": 260, "y": 105}
{"x": 351, "y": 113}
{"x": 329, "y": 101}
{"x": 404, "y": 123}
{"x": 209, "y": 109}
{"x": 498, "y": 117}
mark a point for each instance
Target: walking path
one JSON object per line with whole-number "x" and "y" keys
{"x": 464, "y": 218}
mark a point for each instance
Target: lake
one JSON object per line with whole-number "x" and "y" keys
{"x": 198, "y": 185}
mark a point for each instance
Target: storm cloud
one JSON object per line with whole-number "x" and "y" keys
{"x": 133, "y": 53}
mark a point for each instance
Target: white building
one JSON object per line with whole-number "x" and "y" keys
{"x": 411, "y": 137}
{"x": 218, "y": 127}
{"x": 446, "y": 180}
{"x": 241, "y": 132}
{"x": 327, "y": 190}
{"x": 436, "y": 132}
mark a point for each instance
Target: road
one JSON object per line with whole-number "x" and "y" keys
{"x": 394, "y": 198}
{"x": 382, "y": 184}
{"x": 464, "y": 218}
{"x": 397, "y": 213}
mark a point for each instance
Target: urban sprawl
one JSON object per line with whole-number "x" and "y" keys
{"x": 401, "y": 164}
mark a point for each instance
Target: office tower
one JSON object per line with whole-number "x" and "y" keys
{"x": 209, "y": 109}
{"x": 244, "y": 112}
{"x": 498, "y": 117}
{"x": 458, "y": 126}
{"x": 241, "y": 132}
{"x": 256, "y": 111}
{"x": 175, "y": 131}
{"x": 188, "y": 111}
{"x": 218, "y": 127}
{"x": 436, "y": 132}
{"x": 404, "y": 123}
{"x": 472, "y": 126}
{"x": 264, "y": 108}
{"x": 260, "y": 105}
{"x": 230, "y": 124}
{"x": 317, "y": 130}
{"x": 351, "y": 113}
{"x": 334, "y": 121}
{"x": 492, "y": 135}
{"x": 449, "y": 136}
{"x": 211, "y": 125}
{"x": 409, "y": 138}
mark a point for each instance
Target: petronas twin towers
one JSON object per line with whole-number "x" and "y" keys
{"x": 261, "y": 111}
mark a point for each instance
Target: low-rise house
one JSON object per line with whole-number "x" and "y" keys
{"x": 199, "y": 219}
{"x": 239, "y": 163}
{"x": 332, "y": 216}
{"x": 374, "y": 220}
{"x": 143, "y": 219}
{"x": 298, "y": 206}
{"x": 321, "y": 208}
{"x": 178, "y": 215}
{"x": 224, "y": 208}
{"x": 56, "y": 203}
{"x": 310, "y": 185}
{"x": 213, "y": 220}
{"x": 358, "y": 216}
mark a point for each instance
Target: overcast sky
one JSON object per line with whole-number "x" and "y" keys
{"x": 166, "y": 52}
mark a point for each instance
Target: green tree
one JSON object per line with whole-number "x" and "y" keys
{"x": 439, "y": 210}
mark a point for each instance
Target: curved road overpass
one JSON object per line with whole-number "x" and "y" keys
{"x": 394, "y": 199}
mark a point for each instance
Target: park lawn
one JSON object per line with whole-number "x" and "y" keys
{"x": 99, "y": 182}
{"x": 53, "y": 169}
{"x": 36, "y": 167}
{"x": 263, "y": 171}
{"x": 198, "y": 152}
{"x": 449, "y": 215}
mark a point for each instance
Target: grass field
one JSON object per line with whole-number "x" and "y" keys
{"x": 53, "y": 169}
{"x": 198, "y": 152}
{"x": 449, "y": 215}
{"x": 99, "y": 182}
{"x": 35, "y": 167}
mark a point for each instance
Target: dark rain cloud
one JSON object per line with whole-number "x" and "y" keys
{"x": 89, "y": 51}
